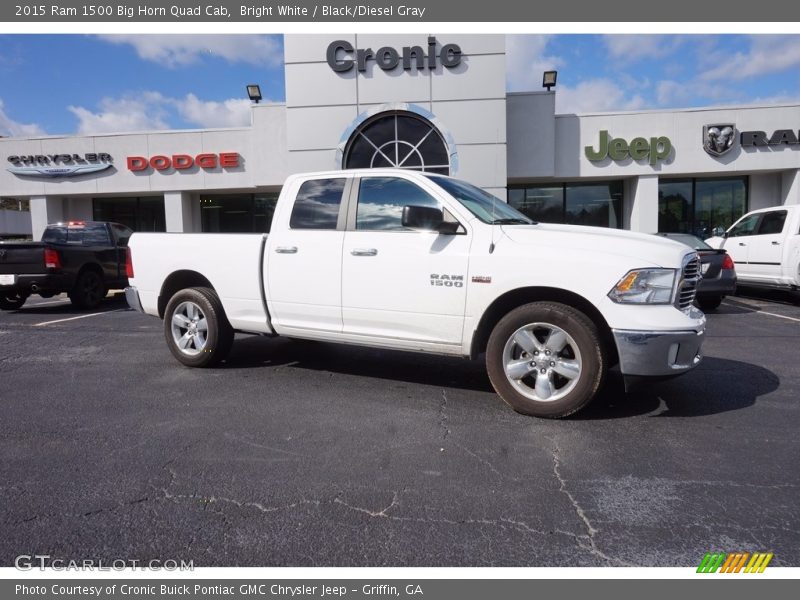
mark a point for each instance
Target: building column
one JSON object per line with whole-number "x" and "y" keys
{"x": 178, "y": 212}
{"x": 45, "y": 210}
{"x": 640, "y": 204}
{"x": 790, "y": 186}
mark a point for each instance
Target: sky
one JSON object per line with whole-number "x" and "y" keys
{"x": 68, "y": 84}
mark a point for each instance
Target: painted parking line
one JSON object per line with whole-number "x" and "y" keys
{"x": 762, "y": 312}
{"x": 105, "y": 312}
{"x": 742, "y": 302}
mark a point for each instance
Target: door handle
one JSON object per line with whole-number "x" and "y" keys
{"x": 286, "y": 249}
{"x": 364, "y": 252}
{"x": 776, "y": 243}
{"x": 742, "y": 244}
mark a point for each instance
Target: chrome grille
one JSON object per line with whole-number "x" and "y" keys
{"x": 690, "y": 276}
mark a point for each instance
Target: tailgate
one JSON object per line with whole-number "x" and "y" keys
{"x": 714, "y": 259}
{"x": 21, "y": 257}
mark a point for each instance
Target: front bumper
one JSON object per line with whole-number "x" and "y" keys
{"x": 658, "y": 353}
{"x": 132, "y": 296}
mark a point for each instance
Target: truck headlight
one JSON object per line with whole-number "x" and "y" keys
{"x": 645, "y": 286}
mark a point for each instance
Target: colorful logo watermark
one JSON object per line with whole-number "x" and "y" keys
{"x": 734, "y": 562}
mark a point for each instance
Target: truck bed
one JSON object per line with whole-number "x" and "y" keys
{"x": 232, "y": 263}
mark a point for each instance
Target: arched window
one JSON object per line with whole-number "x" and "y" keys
{"x": 397, "y": 139}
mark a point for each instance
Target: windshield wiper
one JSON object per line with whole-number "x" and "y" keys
{"x": 511, "y": 221}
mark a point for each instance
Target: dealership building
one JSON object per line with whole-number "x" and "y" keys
{"x": 427, "y": 102}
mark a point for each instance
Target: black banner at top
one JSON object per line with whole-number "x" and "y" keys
{"x": 412, "y": 11}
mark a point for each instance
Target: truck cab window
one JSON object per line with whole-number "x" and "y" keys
{"x": 381, "y": 201}
{"x": 744, "y": 227}
{"x": 317, "y": 204}
{"x": 122, "y": 234}
{"x": 95, "y": 235}
{"x": 772, "y": 222}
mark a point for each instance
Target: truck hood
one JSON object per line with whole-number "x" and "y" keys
{"x": 643, "y": 248}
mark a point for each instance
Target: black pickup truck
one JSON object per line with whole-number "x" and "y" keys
{"x": 82, "y": 258}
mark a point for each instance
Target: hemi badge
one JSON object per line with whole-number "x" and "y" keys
{"x": 481, "y": 279}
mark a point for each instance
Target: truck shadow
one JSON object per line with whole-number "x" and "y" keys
{"x": 777, "y": 296}
{"x": 717, "y": 386}
{"x": 63, "y": 306}
{"x": 409, "y": 367}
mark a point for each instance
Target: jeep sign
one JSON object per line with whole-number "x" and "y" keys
{"x": 654, "y": 149}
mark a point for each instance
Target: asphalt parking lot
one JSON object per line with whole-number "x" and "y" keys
{"x": 301, "y": 453}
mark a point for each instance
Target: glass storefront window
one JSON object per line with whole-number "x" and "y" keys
{"x": 140, "y": 214}
{"x": 674, "y": 206}
{"x": 237, "y": 213}
{"x": 597, "y": 204}
{"x": 700, "y": 206}
{"x": 540, "y": 203}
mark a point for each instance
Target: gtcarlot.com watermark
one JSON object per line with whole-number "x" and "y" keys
{"x": 29, "y": 562}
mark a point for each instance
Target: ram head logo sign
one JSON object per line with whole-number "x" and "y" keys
{"x": 719, "y": 139}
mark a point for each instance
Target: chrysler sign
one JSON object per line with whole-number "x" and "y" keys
{"x": 59, "y": 165}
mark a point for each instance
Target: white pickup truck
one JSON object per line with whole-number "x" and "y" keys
{"x": 414, "y": 261}
{"x": 765, "y": 245}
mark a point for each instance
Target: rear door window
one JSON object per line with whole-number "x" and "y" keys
{"x": 317, "y": 204}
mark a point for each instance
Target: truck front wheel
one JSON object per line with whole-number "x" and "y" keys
{"x": 196, "y": 329}
{"x": 546, "y": 359}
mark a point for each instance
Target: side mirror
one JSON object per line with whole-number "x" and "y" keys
{"x": 426, "y": 218}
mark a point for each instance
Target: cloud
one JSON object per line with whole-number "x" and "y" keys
{"x": 766, "y": 54}
{"x": 670, "y": 92}
{"x": 526, "y": 60}
{"x": 234, "y": 112}
{"x": 596, "y": 95}
{"x": 142, "y": 112}
{"x": 149, "y": 111}
{"x": 10, "y": 127}
{"x": 632, "y": 48}
{"x": 180, "y": 50}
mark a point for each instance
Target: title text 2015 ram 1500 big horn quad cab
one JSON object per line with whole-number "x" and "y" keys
{"x": 415, "y": 261}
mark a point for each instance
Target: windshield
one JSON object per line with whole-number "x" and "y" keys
{"x": 481, "y": 203}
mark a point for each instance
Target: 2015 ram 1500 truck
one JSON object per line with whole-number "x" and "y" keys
{"x": 415, "y": 261}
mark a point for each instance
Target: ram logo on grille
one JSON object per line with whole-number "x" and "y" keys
{"x": 690, "y": 276}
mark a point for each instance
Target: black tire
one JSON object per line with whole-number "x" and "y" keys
{"x": 707, "y": 303}
{"x": 89, "y": 290}
{"x": 569, "y": 395}
{"x": 12, "y": 300}
{"x": 205, "y": 351}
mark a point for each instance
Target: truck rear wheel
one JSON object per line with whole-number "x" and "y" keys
{"x": 12, "y": 300}
{"x": 546, "y": 359}
{"x": 89, "y": 290}
{"x": 196, "y": 329}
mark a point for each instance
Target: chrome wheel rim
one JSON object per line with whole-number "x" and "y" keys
{"x": 189, "y": 328}
{"x": 542, "y": 362}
